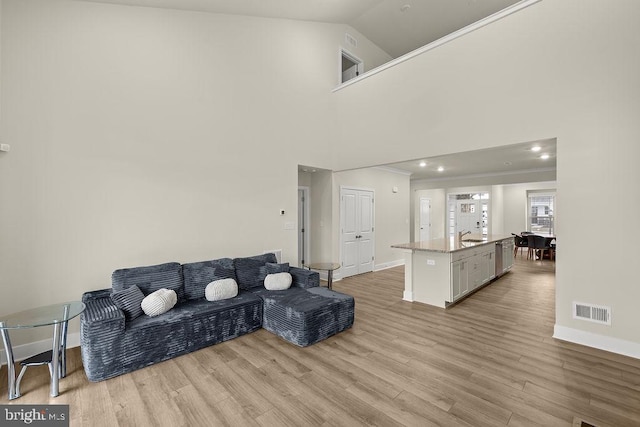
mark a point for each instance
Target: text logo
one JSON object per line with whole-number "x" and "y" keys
{"x": 34, "y": 415}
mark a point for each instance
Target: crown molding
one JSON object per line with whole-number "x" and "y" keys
{"x": 483, "y": 175}
{"x": 393, "y": 170}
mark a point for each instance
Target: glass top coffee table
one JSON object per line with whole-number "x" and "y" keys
{"x": 329, "y": 267}
{"x": 57, "y": 315}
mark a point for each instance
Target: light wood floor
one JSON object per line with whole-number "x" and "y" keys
{"x": 488, "y": 361}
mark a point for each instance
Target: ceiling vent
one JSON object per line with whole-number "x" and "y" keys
{"x": 592, "y": 313}
{"x": 350, "y": 40}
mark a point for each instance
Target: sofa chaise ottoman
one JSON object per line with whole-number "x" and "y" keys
{"x": 305, "y": 317}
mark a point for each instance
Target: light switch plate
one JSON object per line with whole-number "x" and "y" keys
{"x": 289, "y": 225}
{"x": 5, "y": 147}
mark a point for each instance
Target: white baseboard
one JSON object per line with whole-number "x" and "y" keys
{"x": 407, "y": 296}
{"x": 602, "y": 342}
{"x": 377, "y": 267}
{"x": 389, "y": 264}
{"x": 324, "y": 275}
{"x": 23, "y": 351}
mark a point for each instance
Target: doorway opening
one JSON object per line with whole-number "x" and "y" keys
{"x": 350, "y": 66}
{"x": 304, "y": 214}
{"x": 468, "y": 212}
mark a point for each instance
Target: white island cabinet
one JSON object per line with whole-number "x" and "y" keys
{"x": 442, "y": 271}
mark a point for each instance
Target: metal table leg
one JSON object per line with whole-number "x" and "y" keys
{"x": 329, "y": 278}
{"x": 11, "y": 369}
{"x": 58, "y": 353}
{"x": 55, "y": 360}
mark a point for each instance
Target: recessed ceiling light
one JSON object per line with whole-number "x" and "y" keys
{"x": 440, "y": 169}
{"x": 423, "y": 164}
{"x": 508, "y": 163}
{"x": 405, "y": 7}
{"x": 544, "y": 156}
{"x": 536, "y": 148}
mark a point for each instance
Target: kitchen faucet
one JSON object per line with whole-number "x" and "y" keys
{"x": 461, "y": 234}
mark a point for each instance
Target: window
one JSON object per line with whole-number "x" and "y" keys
{"x": 541, "y": 208}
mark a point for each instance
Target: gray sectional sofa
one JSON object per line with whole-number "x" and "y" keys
{"x": 112, "y": 344}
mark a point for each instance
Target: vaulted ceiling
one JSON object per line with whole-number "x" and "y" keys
{"x": 396, "y": 26}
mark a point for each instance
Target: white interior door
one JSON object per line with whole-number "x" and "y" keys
{"x": 468, "y": 216}
{"x": 425, "y": 219}
{"x": 357, "y": 231}
{"x": 350, "y": 73}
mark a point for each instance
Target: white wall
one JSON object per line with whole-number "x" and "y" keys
{"x": 304, "y": 179}
{"x": 437, "y": 214}
{"x": 0, "y": 62}
{"x": 391, "y": 211}
{"x": 515, "y": 204}
{"x": 564, "y": 69}
{"x": 497, "y": 210}
{"x": 321, "y": 216}
{"x": 143, "y": 135}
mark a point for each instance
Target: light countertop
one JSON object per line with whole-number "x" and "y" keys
{"x": 452, "y": 244}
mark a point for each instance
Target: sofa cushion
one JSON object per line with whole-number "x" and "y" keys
{"x": 159, "y": 302}
{"x": 251, "y": 271}
{"x": 150, "y": 279}
{"x": 187, "y": 312}
{"x": 273, "y": 268}
{"x": 197, "y": 275}
{"x": 128, "y": 300}
{"x": 277, "y": 281}
{"x": 221, "y": 289}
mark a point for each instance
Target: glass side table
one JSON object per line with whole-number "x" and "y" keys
{"x": 329, "y": 267}
{"x": 57, "y": 315}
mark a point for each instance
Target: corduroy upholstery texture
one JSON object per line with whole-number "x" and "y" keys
{"x": 150, "y": 279}
{"x": 306, "y": 316}
{"x": 251, "y": 271}
{"x": 129, "y": 300}
{"x": 304, "y": 278}
{"x": 113, "y": 345}
{"x": 197, "y": 275}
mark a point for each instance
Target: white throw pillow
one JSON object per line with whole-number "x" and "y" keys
{"x": 221, "y": 289}
{"x": 159, "y": 302}
{"x": 278, "y": 281}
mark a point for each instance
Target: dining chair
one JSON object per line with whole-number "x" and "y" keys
{"x": 537, "y": 243}
{"x": 520, "y": 242}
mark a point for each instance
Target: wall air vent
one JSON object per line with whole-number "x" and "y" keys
{"x": 592, "y": 313}
{"x": 350, "y": 40}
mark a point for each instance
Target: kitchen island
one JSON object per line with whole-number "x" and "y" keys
{"x": 440, "y": 272}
